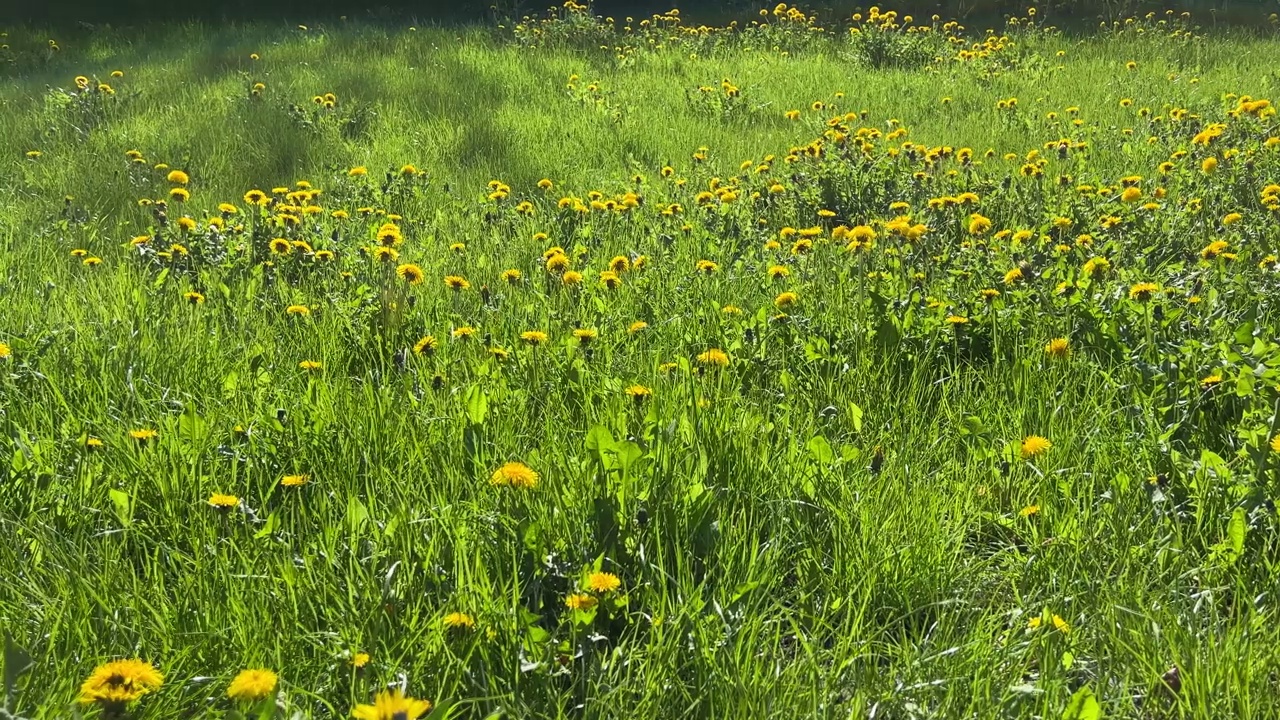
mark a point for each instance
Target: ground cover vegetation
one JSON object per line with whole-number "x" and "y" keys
{"x": 587, "y": 366}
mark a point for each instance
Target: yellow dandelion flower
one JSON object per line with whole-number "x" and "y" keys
{"x": 516, "y": 475}
{"x": 456, "y": 283}
{"x": 636, "y": 327}
{"x": 603, "y": 582}
{"x": 639, "y": 392}
{"x": 580, "y": 601}
{"x": 1034, "y": 445}
{"x": 143, "y": 435}
{"x": 534, "y": 337}
{"x": 425, "y": 346}
{"x": 411, "y": 273}
{"x": 1142, "y": 292}
{"x": 1058, "y": 348}
{"x": 459, "y": 621}
{"x": 295, "y": 480}
{"x": 392, "y": 705}
{"x": 300, "y": 310}
{"x": 178, "y": 177}
{"x": 714, "y": 357}
{"x": 119, "y": 682}
{"x": 221, "y": 501}
{"x": 252, "y": 685}
{"x": 979, "y": 224}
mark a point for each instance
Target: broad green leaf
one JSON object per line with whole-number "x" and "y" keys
{"x": 477, "y": 405}
{"x": 1083, "y": 706}
{"x": 1236, "y": 530}
{"x": 628, "y": 453}
{"x": 973, "y": 425}
{"x": 191, "y": 426}
{"x": 357, "y": 514}
{"x": 268, "y": 527}
{"x": 820, "y": 449}
{"x": 1244, "y": 384}
{"x": 599, "y": 441}
{"x": 855, "y": 417}
{"x": 123, "y": 505}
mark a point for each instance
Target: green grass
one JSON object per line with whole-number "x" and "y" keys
{"x": 771, "y": 564}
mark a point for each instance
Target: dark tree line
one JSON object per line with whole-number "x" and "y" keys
{"x": 132, "y": 12}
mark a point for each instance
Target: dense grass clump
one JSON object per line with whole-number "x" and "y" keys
{"x": 624, "y": 367}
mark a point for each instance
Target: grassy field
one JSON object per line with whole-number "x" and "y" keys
{"x": 585, "y": 368}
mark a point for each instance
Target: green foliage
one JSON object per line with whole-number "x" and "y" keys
{"x": 890, "y": 49}
{"x": 243, "y": 433}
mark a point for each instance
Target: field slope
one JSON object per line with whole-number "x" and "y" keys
{"x": 585, "y": 367}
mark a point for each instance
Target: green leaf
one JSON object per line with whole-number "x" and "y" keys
{"x": 742, "y": 590}
{"x": 628, "y": 453}
{"x": 599, "y": 441}
{"x": 820, "y": 449}
{"x": 268, "y": 527}
{"x": 123, "y": 505}
{"x": 1236, "y": 530}
{"x": 357, "y": 514}
{"x": 695, "y": 491}
{"x": 191, "y": 426}
{"x": 477, "y": 405}
{"x": 1244, "y": 334}
{"x": 16, "y": 663}
{"x": 973, "y": 425}
{"x": 230, "y": 384}
{"x": 1083, "y": 706}
{"x": 532, "y": 539}
{"x": 855, "y": 417}
{"x": 1244, "y": 384}
{"x": 443, "y": 710}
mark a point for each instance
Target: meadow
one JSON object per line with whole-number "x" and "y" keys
{"x": 873, "y": 366}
